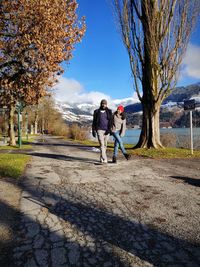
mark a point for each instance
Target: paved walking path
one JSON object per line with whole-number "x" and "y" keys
{"x": 75, "y": 212}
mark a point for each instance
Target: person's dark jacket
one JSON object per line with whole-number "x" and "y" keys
{"x": 96, "y": 121}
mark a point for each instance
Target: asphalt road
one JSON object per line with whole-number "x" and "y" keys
{"x": 77, "y": 212}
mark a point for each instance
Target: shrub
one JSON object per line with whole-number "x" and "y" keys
{"x": 169, "y": 139}
{"x": 183, "y": 141}
{"x": 76, "y": 132}
{"x": 58, "y": 127}
{"x": 179, "y": 141}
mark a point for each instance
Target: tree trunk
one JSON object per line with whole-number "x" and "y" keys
{"x": 150, "y": 132}
{"x": 36, "y": 127}
{"x": 32, "y": 129}
{"x": 151, "y": 102}
{"x": 11, "y": 130}
{"x": 36, "y": 121}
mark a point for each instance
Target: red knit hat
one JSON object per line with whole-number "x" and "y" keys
{"x": 121, "y": 108}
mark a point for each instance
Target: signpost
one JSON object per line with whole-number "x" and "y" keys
{"x": 190, "y": 105}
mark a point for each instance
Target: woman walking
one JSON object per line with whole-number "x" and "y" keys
{"x": 118, "y": 130}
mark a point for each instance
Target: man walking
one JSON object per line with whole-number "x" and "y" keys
{"x": 101, "y": 125}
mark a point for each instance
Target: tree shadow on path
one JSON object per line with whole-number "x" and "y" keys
{"x": 62, "y": 157}
{"x": 44, "y": 247}
{"x": 64, "y": 144}
{"x": 116, "y": 239}
{"x": 188, "y": 180}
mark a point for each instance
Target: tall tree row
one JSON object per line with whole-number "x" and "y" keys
{"x": 35, "y": 37}
{"x": 45, "y": 116}
{"x": 156, "y": 35}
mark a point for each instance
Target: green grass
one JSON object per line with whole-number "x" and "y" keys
{"x": 30, "y": 140}
{"x": 150, "y": 153}
{"x": 15, "y": 147}
{"x": 26, "y": 144}
{"x": 165, "y": 153}
{"x": 13, "y": 165}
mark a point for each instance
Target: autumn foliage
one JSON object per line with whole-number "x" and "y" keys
{"x": 35, "y": 37}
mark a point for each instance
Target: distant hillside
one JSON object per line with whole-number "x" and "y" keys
{"x": 137, "y": 107}
{"x": 171, "y": 114}
{"x": 180, "y": 94}
{"x": 82, "y": 113}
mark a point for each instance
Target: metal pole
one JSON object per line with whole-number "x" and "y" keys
{"x": 191, "y": 133}
{"x": 19, "y": 130}
{"x": 26, "y": 126}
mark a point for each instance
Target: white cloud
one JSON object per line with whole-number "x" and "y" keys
{"x": 191, "y": 62}
{"x": 67, "y": 89}
{"x": 72, "y": 92}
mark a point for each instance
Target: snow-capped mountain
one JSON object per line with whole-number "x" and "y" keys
{"x": 86, "y": 107}
{"x": 125, "y": 101}
{"x": 83, "y": 113}
{"x": 178, "y": 96}
{"x": 196, "y": 98}
{"x": 80, "y": 113}
{"x": 170, "y": 105}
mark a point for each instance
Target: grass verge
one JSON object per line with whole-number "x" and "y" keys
{"x": 26, "y": 144}
{"x": 15, "y": 147}
{"x": 30, "y": 140}
{"x": 150, "y": 153}
{"x": 165, "y": 153}
{"x": 13, "y": 165}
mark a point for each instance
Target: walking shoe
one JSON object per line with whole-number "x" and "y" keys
{"x": 114, "y": 159}
{"x": 104, "y": 161}
{"x": 127, "y": 156}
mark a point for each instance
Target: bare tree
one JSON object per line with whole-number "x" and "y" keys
{"x": 156, "y": 35}
{"x": 45, "y": 116}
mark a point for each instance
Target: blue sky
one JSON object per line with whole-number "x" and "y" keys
{"x": 100, "y": 64}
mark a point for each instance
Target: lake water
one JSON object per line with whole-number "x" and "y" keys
{"x": 182, "y": 137}
{"x": 132, "y": 135}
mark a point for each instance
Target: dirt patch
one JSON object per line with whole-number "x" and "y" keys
{"x": 9, "y": 205}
